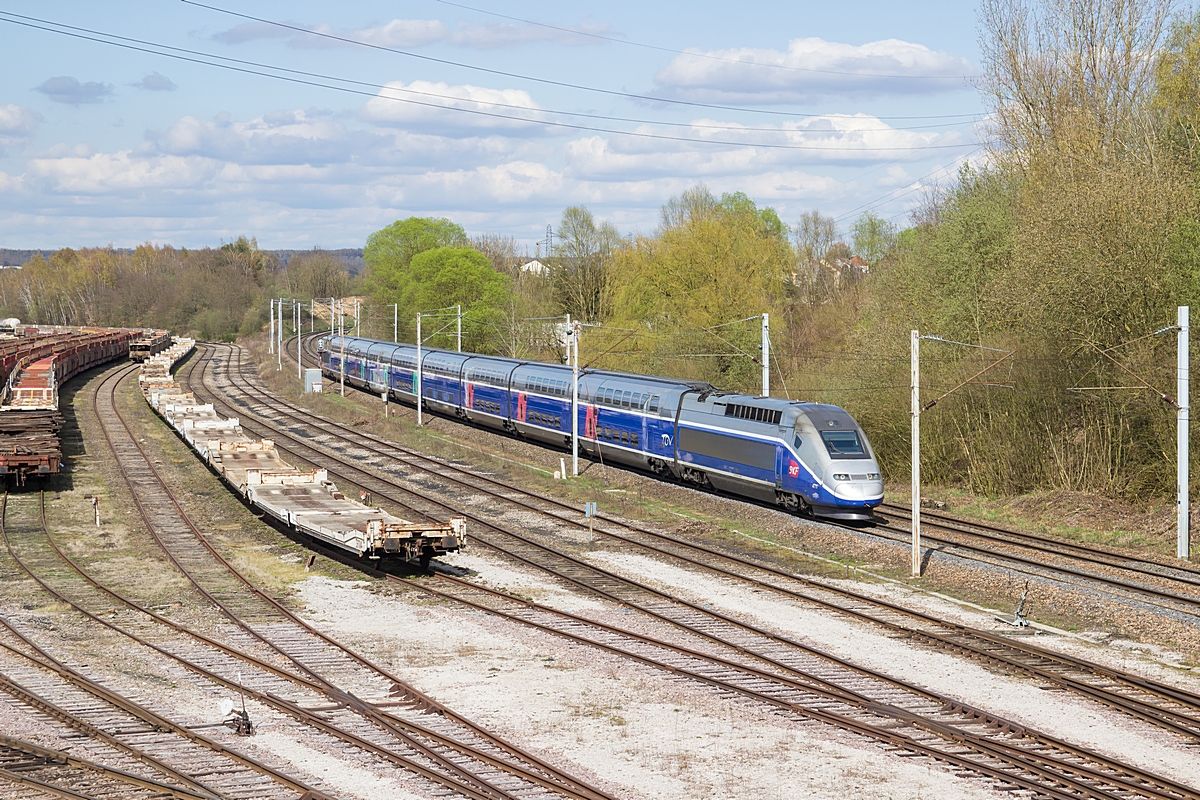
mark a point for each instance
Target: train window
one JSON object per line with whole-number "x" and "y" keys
{"x": 843, "y": 444}
{"x": 624, "y": 437}
{"x": 627, "y": 400}
{"x": 653, "y": 404}
{"x": 798, "y": 443}
{"x": 633, "y": 439}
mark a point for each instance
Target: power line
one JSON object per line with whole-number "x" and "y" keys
{"x": 710, "y": 56}
{"x": 92, "y": 35}
{"x": 516, "y": 75}
{"x": 454, "y": 98}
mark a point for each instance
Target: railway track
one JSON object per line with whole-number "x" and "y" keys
{"x": 128, "y": 733}
{"x": 1160, "y": 704}
{"x": 736, "y": 657}
{"x": 35, "y": 772}
{"x": 269, "y": 655}
{"x": 1171, "y": 585}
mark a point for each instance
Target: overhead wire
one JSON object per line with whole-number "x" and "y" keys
{"x": 254, "y": 68}
{"x": 506, "y": 74}
{"x": 738, "y": 61}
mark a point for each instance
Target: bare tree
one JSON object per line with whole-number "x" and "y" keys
{"x": 814, "y": 234}
{"x": 1078, "y": 71}
{"x": 695, "y": 203}
{"x": 583, "y": 253}
{"x": 317, "y": 274}
{"x": 502, "y": 251}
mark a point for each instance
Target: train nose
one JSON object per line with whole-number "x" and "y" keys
{"x": 849, "y": 485}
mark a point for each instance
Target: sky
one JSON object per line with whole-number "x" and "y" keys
{"x": 312, "y": 124}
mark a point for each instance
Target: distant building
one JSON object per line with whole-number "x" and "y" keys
{"x": 535, "y": 267}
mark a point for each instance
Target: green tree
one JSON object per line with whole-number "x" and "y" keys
{"x": 447, "y": 276}
{"x": 873, "y": 236}
{"x": 389, "y": 251}
{"x": 709, "y": 268}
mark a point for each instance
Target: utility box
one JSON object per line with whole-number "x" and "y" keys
{"x": 312, "y": 380}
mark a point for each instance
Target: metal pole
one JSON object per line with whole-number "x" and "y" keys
{"x": 1182, "y": 391}
{"x": 573, "y": 348}
{"x": 342, "y": 336}
{"x": 417, "y": 372}
{"x": 766, "y": 354}
{"x": 916, "y": 454}
{"x": 279, "y": 333}
{"x": 395, "y": 323}
{"x": 299, "y": 348}
{"x": 271, "y": 345}
{"x": 312, "y": 317}
{"x": 459, "y": 307}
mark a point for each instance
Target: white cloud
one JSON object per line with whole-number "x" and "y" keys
{"x": 503, "y": 34}
{"x": 425, "y": 105}
{"x": 410, "y": 33}
{"x": 250, "y": 32}
{"x": 397, "y": 33}
{"x": 810, "y": 68}
{"x": 17, "y": 122}
{"x": 296, "y": 177}
{"x": 120, "y": 172}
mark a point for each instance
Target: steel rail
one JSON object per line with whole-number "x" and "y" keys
{"x": 1148, "y": 594}
{"x": 557, "y": 783}
{"x": 43, "y": 660}
{"x": 29, "y": 698}
{"x": 550, "y": 776}
{"x": 50, "y": 757}
{"x": 1182, "y": 724}
{"x": 1046, "y": 544}
{"x": 318, "y": 686}
{"x": 625, "y": 601}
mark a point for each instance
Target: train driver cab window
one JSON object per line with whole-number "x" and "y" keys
{"x": 798, "y": 442}
{"x": 843, "y": 444}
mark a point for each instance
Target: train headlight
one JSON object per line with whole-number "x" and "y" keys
{"x": 841, "y": 476}
{"x": 874, "y": 476}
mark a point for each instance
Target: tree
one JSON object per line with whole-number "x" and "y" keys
{"x": 709, "y": 269}
{"x": 873, "y": 237}
{"x": 1070, "y": 72}
{"x": 317, "y": 275}
{"x": 814, "y": 234}
{"x": 447, "y": 276}
{"x": 1176, "y": 100}
{"x": 580, "y": 270}
{"x": 738, "y": 203}
{"x": 389, "y": 251}
{"x": 693, "y": 204}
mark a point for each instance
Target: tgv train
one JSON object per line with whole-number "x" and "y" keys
{"x": 806, "y": 457}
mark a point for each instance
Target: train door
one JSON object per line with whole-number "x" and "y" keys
{"x": 470, "y": 396}
{"x": 520, "y": 407}
{"x": 589, "y": 427}
{"x": 781, "y": 464}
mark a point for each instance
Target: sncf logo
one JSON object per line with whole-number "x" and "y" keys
{"x": 793, "y": 469}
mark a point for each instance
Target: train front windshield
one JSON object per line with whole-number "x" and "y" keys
{"x": 844, "y": 444}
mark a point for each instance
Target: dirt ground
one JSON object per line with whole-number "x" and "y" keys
{"x": 632, "y": 730}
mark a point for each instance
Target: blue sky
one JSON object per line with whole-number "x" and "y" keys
{"x": 455, "y": 111}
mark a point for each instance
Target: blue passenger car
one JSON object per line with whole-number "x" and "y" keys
{"x": 806, "y": 457}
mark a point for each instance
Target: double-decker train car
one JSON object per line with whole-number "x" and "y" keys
{"x": 805, "y": 457}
